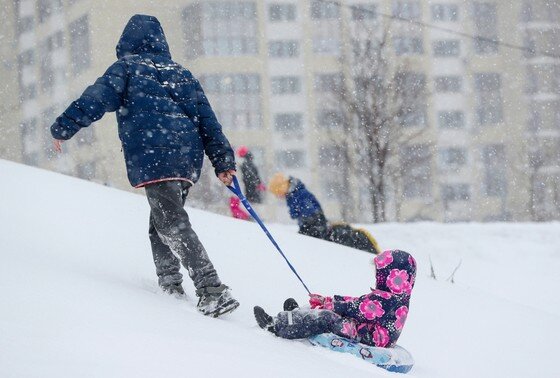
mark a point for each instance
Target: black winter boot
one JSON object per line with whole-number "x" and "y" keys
{"x": 216, "y": 301}
{"x": 264, "y": 320}
{"x": 290, "y": 304}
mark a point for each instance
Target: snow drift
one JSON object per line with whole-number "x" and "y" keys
{"x": 78, "y": 294}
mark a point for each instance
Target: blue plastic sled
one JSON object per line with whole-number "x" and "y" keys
{"x": 396, "y": 359}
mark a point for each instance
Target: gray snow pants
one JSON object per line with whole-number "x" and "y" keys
{"x": 303, "y": 323}
{"x": 173, "y": 238}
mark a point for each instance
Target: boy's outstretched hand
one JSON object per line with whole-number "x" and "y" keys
{"x": 227, "y": 176}
{"x": 57, "y": 145}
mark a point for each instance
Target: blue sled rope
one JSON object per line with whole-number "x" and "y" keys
{"x": 236, "y": 189}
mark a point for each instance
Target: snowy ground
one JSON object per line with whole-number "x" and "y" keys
{"x": 78, "y": 295}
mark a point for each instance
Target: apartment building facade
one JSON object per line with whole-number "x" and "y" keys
{"x": 488, "y": 149}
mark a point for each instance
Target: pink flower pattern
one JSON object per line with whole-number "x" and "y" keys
{"x": 411, "y": 261}
{"x": 397, "y": 282}
{"x": 382, "y": 294}
{"x": 371, "y": 309}
{"x": 383, "y": 259}
{"x": 349, "y": 329}
{"x": 380, "y": 336}
{"x": 401, "y": 314}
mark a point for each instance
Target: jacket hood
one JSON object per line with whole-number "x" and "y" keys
{"x": 295, "y": 184}
{"x": 142, "y": 34}
{"x": 396, "y": 272}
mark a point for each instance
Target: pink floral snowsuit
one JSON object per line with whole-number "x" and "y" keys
{"x": 375, "y": 319}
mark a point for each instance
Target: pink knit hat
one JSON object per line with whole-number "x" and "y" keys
{"x": 242, "y": 151}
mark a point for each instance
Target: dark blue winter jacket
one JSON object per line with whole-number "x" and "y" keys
{"x": 301, "y": 202}
{"x": 165, "y": 120}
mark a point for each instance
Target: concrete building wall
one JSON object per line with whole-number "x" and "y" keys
{"x": 463, "y": 187}
{"x": 10, "y": 138}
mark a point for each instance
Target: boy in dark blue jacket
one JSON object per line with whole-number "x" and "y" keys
{"x": 166, "y": 125}
{"x": 302, "y": 205}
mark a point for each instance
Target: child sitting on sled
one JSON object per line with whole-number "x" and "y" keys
{"x": 305, "y": 207}
{"x": 374, "y": 319}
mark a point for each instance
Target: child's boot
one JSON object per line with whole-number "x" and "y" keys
{"x": 264, "y": 320}
{"x": 290, "y": 304}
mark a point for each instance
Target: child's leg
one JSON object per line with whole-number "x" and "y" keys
{"x": 172, "y": 224}
{"x": 315, "y": 226}
{"x": 167, "y": 265}
{"x": 303, "y": 323}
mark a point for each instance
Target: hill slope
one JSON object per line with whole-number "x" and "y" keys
{"x": 78, "y": 295}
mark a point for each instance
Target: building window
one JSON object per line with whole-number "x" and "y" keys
{"x": 408, "y": 45}
{"x": 325, "y": 45}
{"x": 445, "y": 12}
{"x": 27, "y": 58}
{"x": 80, "y": 47}
{"x": 282, "y": 85}
{"x": 235, "y": 99}
{"x": 408, "y": 10}
{"x": 544, "y": 115}
{"x": 456, "y": 192}
{"x": 543, "y": 78}
{"x": 361, "y": 12}
{"x": 454, "y": 119}
{"x": 412, "y": 87}
{"x": 488, "y": 98}
{"x": 444, "y": 48}
{"x": 290, "y": 159}
{"x": 46, "y": 70}
{"x": 25, "y": 24}
{"x": 321, "y": 10}
{"x": 28, "y": 92}
{"x": 327, "y": 83}
{"x": 282, "y": 12}
{"x": 283, "y": 49}
{"x": 485, "y": 17}
{"x": 332, "y": 157}
{"x": 218, "y": 28}
{"x": 329, "y": 118}
{"x": 448, "y": 83}
{"x": 47, "y": 8}
{"x": 494, "y": 161}
{"x": 544, "y": 11}
{"x": 326, "y": 28}
{"x": 290, "y": 125}
{"x": 417, "y": 176}
{"x": 327, "y": 88}
{"x": 30, "y": 142}
{"x": 452, "y": 158}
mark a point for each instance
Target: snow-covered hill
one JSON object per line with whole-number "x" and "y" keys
{"x": 78, "y": 295}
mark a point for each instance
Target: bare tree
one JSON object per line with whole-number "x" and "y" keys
{"x": 378, "y": 97}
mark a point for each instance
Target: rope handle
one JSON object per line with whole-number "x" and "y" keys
{"x": 236, "y": 189}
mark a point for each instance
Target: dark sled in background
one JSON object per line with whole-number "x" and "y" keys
{"x": 358, "y": 238}
{"x": 396, "y": 359}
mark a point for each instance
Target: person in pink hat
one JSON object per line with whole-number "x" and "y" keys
{"x": 250, "y": 176}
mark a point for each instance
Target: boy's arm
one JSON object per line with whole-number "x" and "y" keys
{"x": 103, "y": 96}
{"x": 216, "y": 145}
